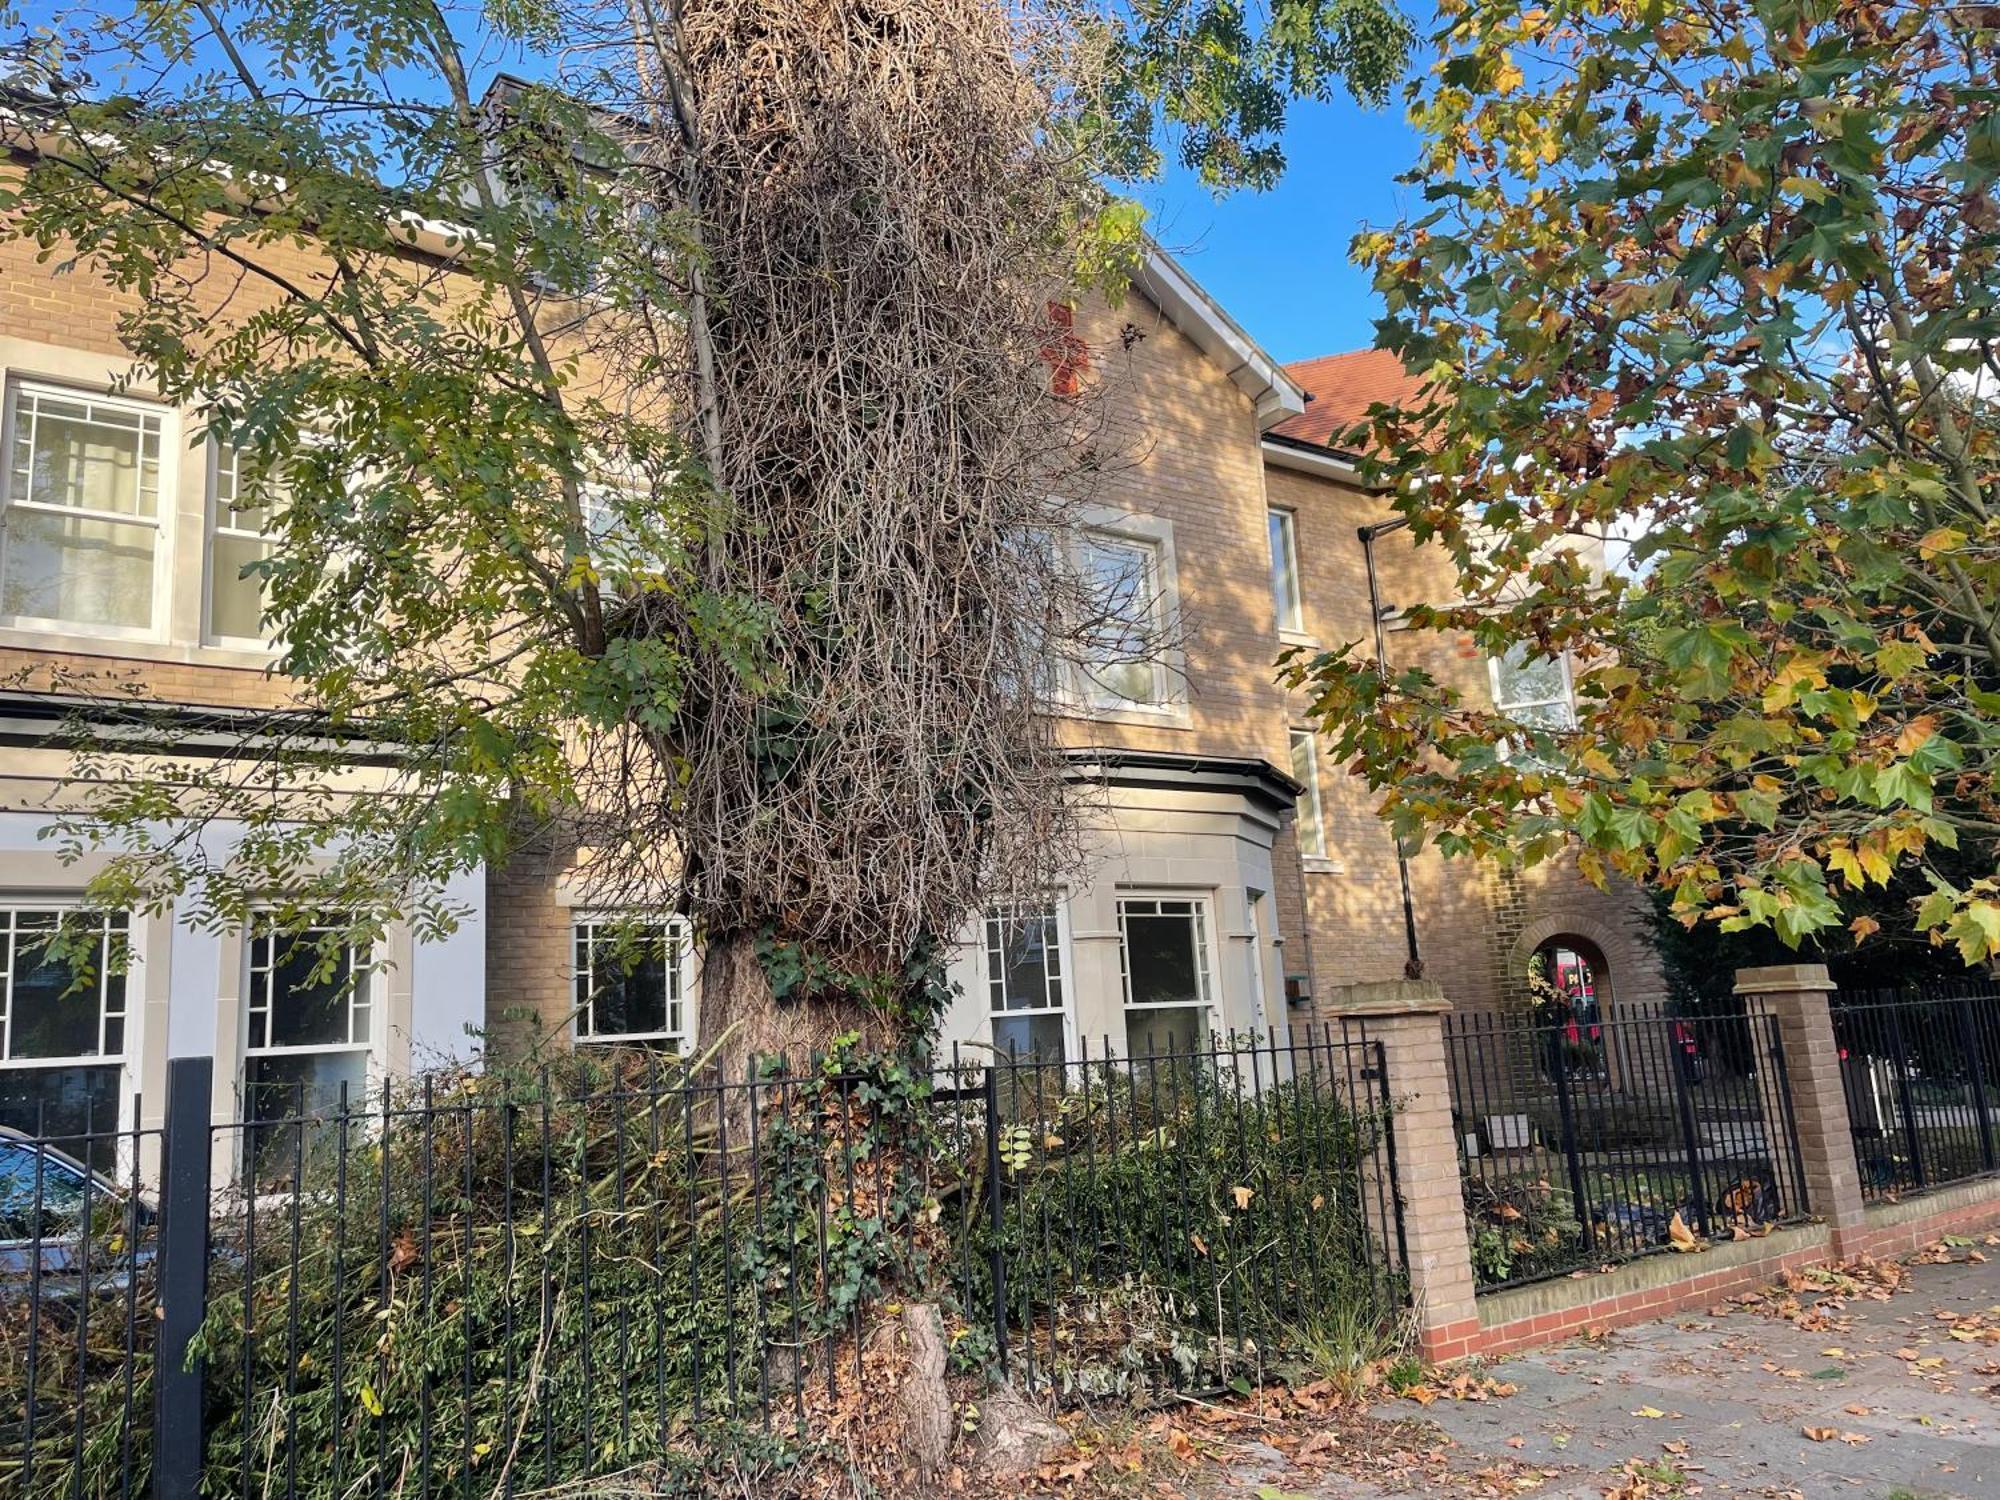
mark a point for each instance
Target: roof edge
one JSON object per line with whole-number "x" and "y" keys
{"x": 1274, "y": 394}
{"x": 1305, "y": 457}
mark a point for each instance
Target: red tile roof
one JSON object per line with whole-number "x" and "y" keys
{"x": 1342, "y": 388}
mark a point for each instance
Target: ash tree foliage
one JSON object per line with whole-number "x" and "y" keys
{"x": 1703, "y": 299}
{"x": 655, "y": 449}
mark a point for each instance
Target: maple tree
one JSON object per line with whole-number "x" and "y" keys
{"x": 1705, "y": 306}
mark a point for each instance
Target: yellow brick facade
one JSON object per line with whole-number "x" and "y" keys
{"x": 1184, "y": 462}
{"x": 1477, "y": 926}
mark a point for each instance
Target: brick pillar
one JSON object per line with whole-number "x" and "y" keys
{"x": 1407, "y": 1018}
{"x": 1797, "y": 995}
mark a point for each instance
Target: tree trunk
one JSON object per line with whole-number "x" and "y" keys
{"x": 923, "y": 1401}
{"x": 742, "y": 1022}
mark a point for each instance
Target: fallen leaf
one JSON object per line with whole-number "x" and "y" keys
{"x": 1680, "y": 1236}
{"x": 1651, "y": 1413}
{"x": 1820, "y": 1434}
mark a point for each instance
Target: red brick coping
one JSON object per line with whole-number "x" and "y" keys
{"x": 1551, "y": 1311}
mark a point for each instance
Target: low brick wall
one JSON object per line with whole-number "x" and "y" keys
{"x": 1899, "y": 1228}
{"x": 1551, "y": 1311}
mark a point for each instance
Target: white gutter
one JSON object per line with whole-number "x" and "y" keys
{"x": 1317, "y": 461}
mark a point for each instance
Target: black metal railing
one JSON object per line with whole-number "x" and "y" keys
{"x": 475, "y": 1286}
{"x": 1588, "y": 1142}
{"x": 1242, "y": 1200}
{"x": 1920, "y": 1070}
{"x": 79, "y": 1261}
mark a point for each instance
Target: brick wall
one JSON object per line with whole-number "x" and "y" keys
{"x": 530, "y": 962}
{"x": 1181, "y": 445}
{"x": 1477, "y": 925}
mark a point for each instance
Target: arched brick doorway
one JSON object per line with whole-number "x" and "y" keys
{"x": 1622, "y": 976}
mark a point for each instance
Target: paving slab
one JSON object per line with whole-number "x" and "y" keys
{"x": 1881, "y": 1398}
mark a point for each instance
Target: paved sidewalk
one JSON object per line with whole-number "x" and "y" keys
{"x": 1903, "y": 1395}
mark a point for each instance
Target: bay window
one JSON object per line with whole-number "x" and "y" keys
{"x": 62, "y": 1022}
{"x": 1163, "y": 959}
{"x": 633, "y": 979}
{"x": 83, "y": 534}
{"x": 1025, "y": 981}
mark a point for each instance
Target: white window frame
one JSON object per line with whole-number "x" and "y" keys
{"x": 992, "y": 972}
{"x": 1201, "y": 909}
{"x": 10, "y": 913}
{"x": 215, "y": 526}
{"x": 161, "y": 521}
{"x": 364, "y": 995}
{"x": 1081, "y": 694}
{"x": 680, "y": 978}
{"x": 11, "y": 907}
{"x": 1508, "y": 707}
{"x": 1287, "y": 581}
{"x": 1312, "y": 806}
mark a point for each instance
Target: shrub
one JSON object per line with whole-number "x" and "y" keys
{"x": 1170, "y": 1221}
{"x": 1520, "y": 1228}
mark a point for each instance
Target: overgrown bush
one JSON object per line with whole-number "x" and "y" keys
{"x": 534, "y": 1279}
{"x": 526, "y": 1278}
{"x": 1175, "y": 1223}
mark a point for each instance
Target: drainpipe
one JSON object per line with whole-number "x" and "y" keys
{"x": 1413, "y": 967}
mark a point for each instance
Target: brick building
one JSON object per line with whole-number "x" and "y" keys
{"x": 1234, "y": 881}
{"x": 1476, "y": 928}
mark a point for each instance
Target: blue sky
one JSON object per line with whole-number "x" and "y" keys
{"x": 1278, "y": 260}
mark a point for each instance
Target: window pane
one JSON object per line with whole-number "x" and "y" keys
{"x": 1036, "y": 1038}
{"x": 307, "y": 1010}
{"x": 79, "y": 569}
{"x": 625, "y": 983}
{"x": 1305, "y": 768}
{"x": 1124, "y": 602}
{"x": 1285, "y": 570}
{"x": 1161, "y": 959}
{"x": 236, "y": 600}
{"x": 1024, "y": 960}
{"x": 86, "y": 454}
{"x": 303, "y": 1088}
{"x": 1529, "y": 679}
{"x": 1553, "y": 716}
{"x": 53, "y": 1015}
{"x": 1160, "y": 1033}
{"x": 69, "y": 1102}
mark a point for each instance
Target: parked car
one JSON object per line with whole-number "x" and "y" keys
{"x": 86, "y": 1222}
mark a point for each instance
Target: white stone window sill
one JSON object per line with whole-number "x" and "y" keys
{"x": 1319, "y": 865}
